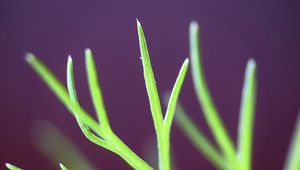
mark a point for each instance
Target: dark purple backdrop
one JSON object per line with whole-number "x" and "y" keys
{"x": 231, "y": 31}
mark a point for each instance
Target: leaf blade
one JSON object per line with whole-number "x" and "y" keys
{"x": 95, "y": 90}
{"x": 205, "y": 100}
{"x": 245, "y": 135}
{"x": 150, "y": 81}
{"x": 174, "y": 95}
{"x": 60, "y": 91}
{"x": 73, "y": 96}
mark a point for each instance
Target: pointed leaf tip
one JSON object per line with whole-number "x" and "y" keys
{"x": 70, "y": 60}
{"x": 12, "y": 167}
{"x": 88, "y": 52}
{"x": 29, "y": 57}
{"x": 138, "y": 22}
{"x": 194, "y": 26}
{"x": 186, "y": 61}
{"x": 251, "y": 63}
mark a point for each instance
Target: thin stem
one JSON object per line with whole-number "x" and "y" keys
{"x": 164, "y": 151}
{"x": 164, "y": 162}
{"x": 162, "y": 126}
{"x": 113, "y": 142}
{"x": 164, "y": 138}
{"x": 127, "y": 154}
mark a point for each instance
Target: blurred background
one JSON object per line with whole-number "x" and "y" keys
{"x": 231, "y": 33}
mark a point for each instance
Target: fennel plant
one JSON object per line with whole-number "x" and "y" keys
{"x": 224, "y": 156}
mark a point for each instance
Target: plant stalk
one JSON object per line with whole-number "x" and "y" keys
{"x": 127, "y": 154}
{"x": 164, "y": 150}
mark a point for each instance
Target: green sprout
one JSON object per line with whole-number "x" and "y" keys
{"x": 99, "y": 131}
{"x": 224, "y": 156}
{"x": 162, "y": 125}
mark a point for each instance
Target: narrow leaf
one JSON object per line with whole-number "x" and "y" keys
{"x": 205, "y": 100}
{"x": 12, "y": 167}
{"x": 174, "y": 96}
{"x": 293, "y": 158}
{"x": 245, "y": 135}
{"x": 150, "y": 81}
{"x": 113, "y": 142}
{"x": 72, "y": 92}
{"x": 95, "y": 90}
{"x": 60, "y": 91}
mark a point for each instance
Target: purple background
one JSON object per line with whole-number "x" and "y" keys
{"x": 231, "y": 32}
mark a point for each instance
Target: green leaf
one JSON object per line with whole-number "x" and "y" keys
{"x": 72, "y": 92}
{"x": 95, "y": 90}
{"x": 245, "y": 135}
{"x": 150, "y": 81}
{"x": 12, "y": 167}
{"x": 110, "y": 140}
{"x": 60, "y": 91}
{"x": 62, "y": 167}
{"x": 205, "y": 100}
{"x": 174, "y": 96}
{"x": 293, "y": 157}
{"x": 163, "y": 136}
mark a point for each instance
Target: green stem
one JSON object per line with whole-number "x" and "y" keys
{"x": 127, "y": 154}
{"x": 160, "y": 128}
{"x": 164, "y": 150}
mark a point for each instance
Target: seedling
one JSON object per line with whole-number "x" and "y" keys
{"x": 225, "y": 157}
{"x": 99, "y": 131}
